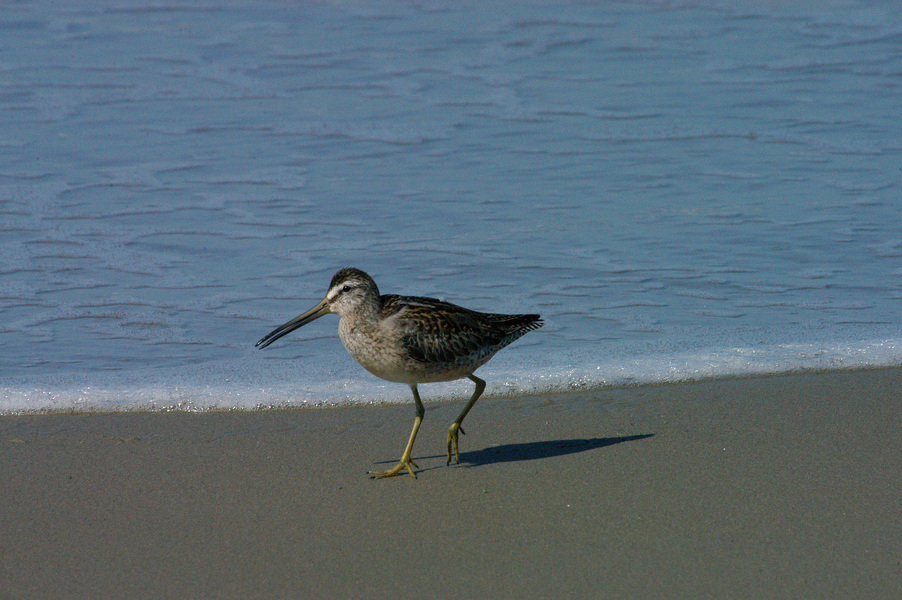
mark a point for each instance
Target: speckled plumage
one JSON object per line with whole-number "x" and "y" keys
{"x": 410, "y": 339}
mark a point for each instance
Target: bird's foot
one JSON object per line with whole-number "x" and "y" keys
{"x": 402, "y": 464}
{"x": 452, "y": 441}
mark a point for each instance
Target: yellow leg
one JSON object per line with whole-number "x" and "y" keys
{"x": 456, "y": 425}
{"x": 405, "y": 462}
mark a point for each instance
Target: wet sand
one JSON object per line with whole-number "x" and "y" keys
{"x": 772, "y": 487}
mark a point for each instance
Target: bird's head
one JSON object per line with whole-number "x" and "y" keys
{"x": 351, "y": 290}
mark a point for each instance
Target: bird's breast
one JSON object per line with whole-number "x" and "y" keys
{"x": 376, "y": 350}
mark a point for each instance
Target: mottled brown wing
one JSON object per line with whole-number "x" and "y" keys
{"x": 437, "y": 332}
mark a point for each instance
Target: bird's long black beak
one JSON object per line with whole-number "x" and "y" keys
{"x": 311, "y": 315}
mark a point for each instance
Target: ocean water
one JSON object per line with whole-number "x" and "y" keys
{"x": 681, "y": 189}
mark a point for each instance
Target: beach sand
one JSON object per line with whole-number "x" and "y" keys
{"x": 770, "y": 487}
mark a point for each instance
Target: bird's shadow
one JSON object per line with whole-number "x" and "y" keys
{"x": 530, "y": 450}
{"x": 544, "y": 449}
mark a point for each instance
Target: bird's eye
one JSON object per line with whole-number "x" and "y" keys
{"x": 346, "y": 289}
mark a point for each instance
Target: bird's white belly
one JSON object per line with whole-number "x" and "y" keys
{"x": 384, "y": 356}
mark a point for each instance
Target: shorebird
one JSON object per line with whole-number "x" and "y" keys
{"x": 412, "y": 340}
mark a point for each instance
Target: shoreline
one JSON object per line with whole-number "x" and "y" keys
{"x": 752, "y": 487}
{"x": 446, "y": 397}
